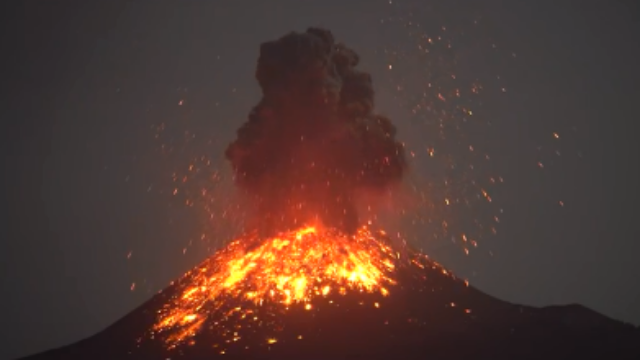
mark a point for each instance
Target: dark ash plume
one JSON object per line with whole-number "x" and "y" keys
{"x": 313, "y": 141}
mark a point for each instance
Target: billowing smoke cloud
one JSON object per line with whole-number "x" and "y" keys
{"x": 313, "y": 140}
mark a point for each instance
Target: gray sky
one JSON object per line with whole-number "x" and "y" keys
{"x": 86, "y": 184}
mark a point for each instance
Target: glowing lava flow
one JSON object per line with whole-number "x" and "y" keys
{"x": 292, "y": 268}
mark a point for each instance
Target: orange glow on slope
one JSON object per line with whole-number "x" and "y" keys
{"x": 289, "y": 269}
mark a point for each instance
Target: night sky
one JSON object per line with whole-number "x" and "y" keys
{"x": 88, "y": 201}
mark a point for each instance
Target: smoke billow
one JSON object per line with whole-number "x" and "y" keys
{"x": 313, "y": 141}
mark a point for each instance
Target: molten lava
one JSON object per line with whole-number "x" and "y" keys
{"x": 288, "y": 270}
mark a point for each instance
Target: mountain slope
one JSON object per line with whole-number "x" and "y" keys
{"x": 427, "y": 313}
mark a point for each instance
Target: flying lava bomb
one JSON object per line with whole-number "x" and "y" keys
{"x": 313, "y": 141}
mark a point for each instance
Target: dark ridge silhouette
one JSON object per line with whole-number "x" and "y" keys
{"x": 427, "y": 315}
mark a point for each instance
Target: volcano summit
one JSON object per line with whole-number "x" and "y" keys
{"x": 321, "y": 294}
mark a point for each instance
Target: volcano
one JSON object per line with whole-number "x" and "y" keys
{"x": 320, "y": 294}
